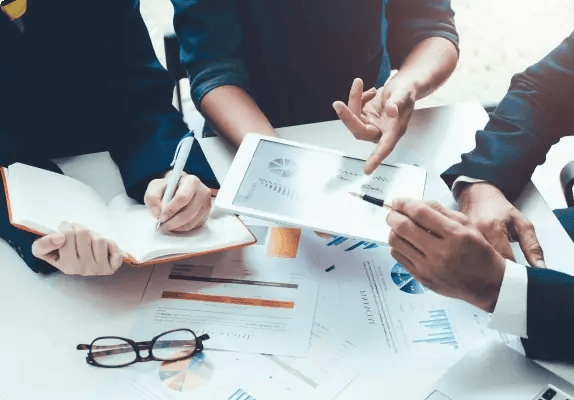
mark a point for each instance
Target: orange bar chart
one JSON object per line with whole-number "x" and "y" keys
{"x": 283, "y": 242}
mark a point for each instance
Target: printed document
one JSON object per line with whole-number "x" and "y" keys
{"x": 260, "y": 299}
{"x": 392, "y": 316}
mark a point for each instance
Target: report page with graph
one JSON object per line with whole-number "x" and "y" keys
{"x": 310, "y": 187}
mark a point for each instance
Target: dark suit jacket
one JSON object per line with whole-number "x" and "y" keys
{"x": 535, "y": 113}
{"x": 83, "y": 77}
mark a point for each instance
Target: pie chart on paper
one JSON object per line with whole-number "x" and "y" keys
{"x": 188, "y": 374}
{"x": 405, "y": 281}
{"x": 283, "y": 167}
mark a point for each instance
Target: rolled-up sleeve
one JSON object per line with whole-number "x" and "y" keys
{"x": 210, "y": 36}
{"x": 412, "y": 21}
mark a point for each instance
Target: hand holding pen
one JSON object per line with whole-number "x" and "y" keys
{"x": 179, "y": 201}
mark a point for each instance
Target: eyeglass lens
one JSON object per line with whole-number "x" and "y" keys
{"x": 174, "y": 345}
{"x": 113, "y": 352}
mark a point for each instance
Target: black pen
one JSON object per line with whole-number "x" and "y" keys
{"x": 370, "y": 199}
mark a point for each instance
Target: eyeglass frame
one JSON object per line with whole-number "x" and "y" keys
{"x": 147, "y": 345}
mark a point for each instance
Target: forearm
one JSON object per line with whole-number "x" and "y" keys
{"x": 233, "y": 113}
{"x": 429, "y": 65}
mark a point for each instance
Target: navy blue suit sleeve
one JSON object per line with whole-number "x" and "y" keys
{"x": 412, "y": 21}
{"x": 147, "y": 126}
{"x": 550, "y": 315}
{"x": 210, "y": 36}
{"x": 535, "y": 113}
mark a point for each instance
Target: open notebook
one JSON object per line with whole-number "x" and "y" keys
{"x": 39, "y": 200}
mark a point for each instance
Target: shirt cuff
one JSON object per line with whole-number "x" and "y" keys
{"x": 509, "y": 315}
{"x": 462, "y": 179}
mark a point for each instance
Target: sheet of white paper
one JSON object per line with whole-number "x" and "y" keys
{"x": 136, "y": 226}
{"x": 259, "y": 299}
{"x": 392, "y": 317}
{"x": 223, "y": 375}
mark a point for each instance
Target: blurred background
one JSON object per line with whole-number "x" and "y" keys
{"x": 497, "y": 39}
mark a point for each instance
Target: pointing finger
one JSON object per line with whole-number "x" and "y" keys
{"x": 355, "y": 96}
{"x": 386, "y": 144}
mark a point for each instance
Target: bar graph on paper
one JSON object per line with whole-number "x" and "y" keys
{"x": 437, "y": 329}
{"x": 353, "y": 245}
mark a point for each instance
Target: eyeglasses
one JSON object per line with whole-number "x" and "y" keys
{"x": 116, "y": 352}
{"x": 14, "y": 9}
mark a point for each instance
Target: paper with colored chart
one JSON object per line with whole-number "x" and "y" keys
{"x": 392, "y": 317}
{"x": 259, "y": 299}
{"x": 224, "y": 375}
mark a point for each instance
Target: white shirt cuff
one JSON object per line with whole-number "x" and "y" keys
{"x": 509, "y": 315}
{"x": 461, "y": 179}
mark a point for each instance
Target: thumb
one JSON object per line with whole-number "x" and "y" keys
{"x": 529, "y": 244}
{"x": 47, "y": 244}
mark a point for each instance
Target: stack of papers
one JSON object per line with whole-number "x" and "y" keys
{"x": 294, "y": 316}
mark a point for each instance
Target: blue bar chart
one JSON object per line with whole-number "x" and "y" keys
{"x": 360, "y": 245}
{"x": 437, "y": 329}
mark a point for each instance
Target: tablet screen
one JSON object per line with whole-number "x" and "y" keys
{"x": 313, "y": 186}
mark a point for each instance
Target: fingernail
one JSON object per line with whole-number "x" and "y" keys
{"x": 338, "y": 108}
{"x": 541, "y": 264}
{"x": 373, "y": 89}
{"x": 58, "y": 240}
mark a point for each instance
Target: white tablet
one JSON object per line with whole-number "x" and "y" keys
{"x": 306, "y": 186}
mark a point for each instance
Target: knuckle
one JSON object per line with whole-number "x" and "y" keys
{"x": 402, "y": 225}
{"x": 419, "y": 212}
{"x": 435, "y": 205}
{"x": 396, "y": 255}
{"x": 177, "y": 203}
{"x": 193, "y": 180}
{"x": 393, "y": 238}
{"x": 150, "y": 198}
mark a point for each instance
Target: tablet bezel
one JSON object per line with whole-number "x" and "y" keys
{"x": 240, "y": 165}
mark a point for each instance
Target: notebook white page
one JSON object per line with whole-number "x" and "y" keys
{"x": 41, "y": 200}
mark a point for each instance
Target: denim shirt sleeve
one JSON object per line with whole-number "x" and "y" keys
{"x": 210, "y": 36}
{"x": 534, "y": 114}
{"x": 412, "y": 21}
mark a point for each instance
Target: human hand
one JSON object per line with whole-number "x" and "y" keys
{"x": 76, "y": 250}
{"x": 445, "y": 252}
{"x": 500, "y": 222}
{"x": 187, "y": 210}
{"x": 381, "y": 116}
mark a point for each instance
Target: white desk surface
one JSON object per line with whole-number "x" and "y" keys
{"x": 43, "y": 318}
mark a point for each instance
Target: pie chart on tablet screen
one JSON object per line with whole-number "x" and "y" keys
{"x": 283, "y": 167}
{"x": 186, "y": 375}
